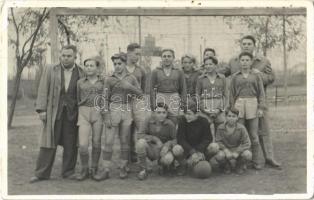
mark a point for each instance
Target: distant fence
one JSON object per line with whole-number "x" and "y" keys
{"x": 278, "y": 98}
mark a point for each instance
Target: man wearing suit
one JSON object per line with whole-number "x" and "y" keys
{"x": 57, "y": 107}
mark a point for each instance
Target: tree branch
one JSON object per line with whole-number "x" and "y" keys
{"x": 17, "y": 42}
{"x": 40, "y": 21}
{"x": 35, "y": 46}
{"x": 67, "y": 32}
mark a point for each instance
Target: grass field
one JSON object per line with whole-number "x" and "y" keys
{"x": 288, "y": 124}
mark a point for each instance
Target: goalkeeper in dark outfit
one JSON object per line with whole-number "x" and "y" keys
{"x": 193, "y": 135}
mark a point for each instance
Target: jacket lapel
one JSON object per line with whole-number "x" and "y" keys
{"x": 80, "y": 70}
{"x": 57, "y": 75}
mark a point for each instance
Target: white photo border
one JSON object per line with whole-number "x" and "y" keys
{"x": 157, "y": 4}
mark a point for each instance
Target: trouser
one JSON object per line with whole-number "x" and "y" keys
{"x": 265, "y": 136}
{"x": 252, "y": 127}
{"x": 65, "y": 134}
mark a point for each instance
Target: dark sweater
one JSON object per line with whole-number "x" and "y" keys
{"x": 193, "y": 136}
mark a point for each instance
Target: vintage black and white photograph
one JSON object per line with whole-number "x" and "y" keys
{"x": 141, "y": 99}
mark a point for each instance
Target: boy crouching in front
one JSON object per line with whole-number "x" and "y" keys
{"x": 234, "y": 144}
{"x": 158, "y": 142}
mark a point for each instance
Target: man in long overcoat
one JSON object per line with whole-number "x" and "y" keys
{"x": 57, "y": 108}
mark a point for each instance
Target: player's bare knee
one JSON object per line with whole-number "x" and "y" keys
{"x": 246, "y": 155}
{"x": 140, "y": 145}
{"x": 167, "y": 159}
{"x": 220, "y": 156}
{"x": 255, "y": 141}
{"x": 177, "y": 150}
{"x": 108, "y": 147}
{"x": 83, "y": 149}
{"x": 212, "y": 148}
{"x": 96, "y": 144}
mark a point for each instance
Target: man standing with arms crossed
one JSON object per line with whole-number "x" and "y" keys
{"x": 138, "y": 105}
{"x": 57, "y": 107}
{"x": 260, "y": 65}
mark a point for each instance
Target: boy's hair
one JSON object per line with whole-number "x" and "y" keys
{"x": 214, "y": 59}
{"x": 246, "y": 54}
{"x": 209, "y": 49}
{"x": 193, "y": 59}
{"x": 121, "y": 56}
{"x": 93, "y": 59}
{"x": 70, "y": 46}
{"x": 233, "y": 110}
{"x": 132, "y": 47}
{"x": 171, "y": 50}
{"x": 161, "y": 105}
{"x": 249, "y": 37}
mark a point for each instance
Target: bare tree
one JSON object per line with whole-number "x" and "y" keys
{"x": 30, "y": 23}
{"x": 268, "y": 30}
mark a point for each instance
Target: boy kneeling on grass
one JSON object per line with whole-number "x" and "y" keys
{"x": 234, "y": 144}
{"x": 158, "y": 142}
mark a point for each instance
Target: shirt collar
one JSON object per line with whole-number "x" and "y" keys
{"x": 250, "y": 72}
{"x": 205, "y": 75}
{"x": 225, "y": 125}
{"x": 98, "y": 78}
{"x": 154, "y": 121}
{"x": 68, "y": 69}
{"x": 161, "y": 67}
{"x": 126, "y": 74}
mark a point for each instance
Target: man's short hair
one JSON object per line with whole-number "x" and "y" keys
{"x": 171, "y": 50}
{"x": 132, "y": 47}
{"x": 246, "y": 54}
{"x": 232, "y": 110}
{"x": 93, "y": 59}
{"x": 161, "y": 105}
{"x": 70, "y": 46}
{"x": 121, "y": 56}
{"x": 213, "y": 58}
{"x": 209, "y": 49}
{"x": 193, "y": 59}
{"x": 249, "y": 37}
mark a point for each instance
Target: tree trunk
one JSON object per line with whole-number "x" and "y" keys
{"x": 15, "y": 93}
{"x": 285, "y": 59}
{"x": 266, "y": 37}
{"x": 38, "y": 73}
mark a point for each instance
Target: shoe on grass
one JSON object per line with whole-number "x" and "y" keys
{"x": 35, "y": 179}
{"x": 103, "y": 175}
{"x": 123, "y": 172}
{"x": 142, "y": 175}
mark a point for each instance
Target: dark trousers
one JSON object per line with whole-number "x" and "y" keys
{"x": 66, "y": 133}
{"x": 265, "y": 136}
